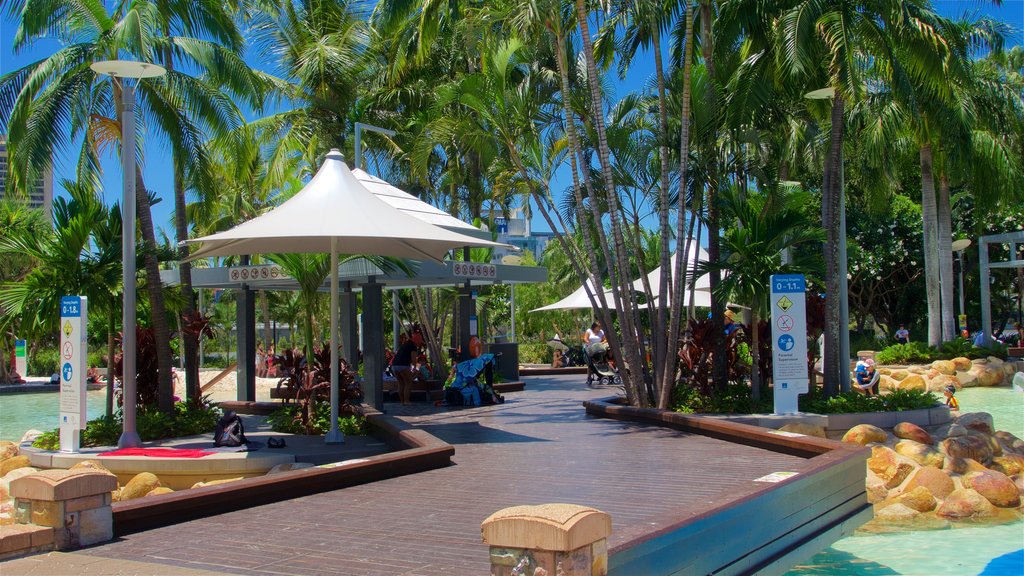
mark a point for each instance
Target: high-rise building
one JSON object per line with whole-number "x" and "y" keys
{"x": 41, "y": 195}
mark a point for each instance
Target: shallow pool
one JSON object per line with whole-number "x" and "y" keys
{"x": 22, "y": 412}
{"x": 958, "y": 551}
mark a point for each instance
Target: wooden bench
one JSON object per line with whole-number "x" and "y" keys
{"x": 430, "y": 389}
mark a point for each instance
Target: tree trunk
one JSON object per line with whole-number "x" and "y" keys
{"x": 682, "y": 236}
{"x": 664, "y": 363}
{"x": 945, "y": 248}
{"x": 755, "y": 355}
{"x": 929, "y": 218}
{"x": 831, "y": 190}
{"x": 265, "y": 312}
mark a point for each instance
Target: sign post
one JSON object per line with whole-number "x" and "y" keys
{"x": 21, "y": 358}
{"x": 73, "y": 357}
{"x": 789, "y": 340}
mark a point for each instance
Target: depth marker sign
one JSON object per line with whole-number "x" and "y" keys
{"x": 789, "y": 340}
{"x": 73, "y": 321}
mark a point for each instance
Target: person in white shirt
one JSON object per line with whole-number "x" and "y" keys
{"x": 902, "y": 335}
{"x": 594, "y": 337}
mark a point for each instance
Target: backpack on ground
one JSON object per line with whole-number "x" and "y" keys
{"x": 229, "y": 431}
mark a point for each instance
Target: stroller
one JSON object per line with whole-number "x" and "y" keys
{"x": 599, "y": 366}
{"x": 465, "y": 389}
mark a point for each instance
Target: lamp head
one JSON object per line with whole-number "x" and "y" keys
{"x": 961, "y": 245}
{"x": 127, "y": 69}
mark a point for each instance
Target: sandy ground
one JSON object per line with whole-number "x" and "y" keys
{"x": 225, "y": 389}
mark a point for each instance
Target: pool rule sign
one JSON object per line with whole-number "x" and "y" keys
{"x": 789, "y": 340}
{"x": 73, "y": 356}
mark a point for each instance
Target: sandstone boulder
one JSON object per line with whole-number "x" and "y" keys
{"x": 939, "y": 383}
{"x": 977, "y": 421}
{"x": 914, "y": 382}
{"x": 917, "y": 369}
{"x": 13, "y": 463}
{"x": 876, "y": 489}
{"x": 911, "y": 431}
{"x": 993, "y": 361}
{"x": 996, "y": 487}
{"x": 896, "y": 511}
{"x": 887, "y": 384}
{"x": 961, "y": 363}
{"x": 923, "y": 454}
{"x": 944, "y": 367}
{"x": 987, "y": 375}
{"x": 1018, "y": 480}
{"x": 967, "y": 379}
{"x": 215, "y": 482}
{"x": 937, "y": 482}
{"x": 30, "y": 436}
{"x": 919, "y": 499}
{"x": 967, "y": 446}
{"x": 965, "y": 503}
{"x": 979, "y": 362}
{"x": 805, "y": 429}
{"x": 288, "y": 467}
{"x": 8, "y": 450}
{"x": 898, "y": 374}
{"x": 142, "y": 484}
{"x": 89, "y": 465}
{"x": 891, "y": 468}
{"x": 6, "y": 512}
{"x": 1009, "y": 442}
{"x": 160, "y": 490}
{"x": 864, "y": 434}
{"x": 961, "y": 465}
{"x": 1008, "y": 464}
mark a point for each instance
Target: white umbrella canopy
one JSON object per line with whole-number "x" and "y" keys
{"x": 703, "y": 283}
{"x": 335, "y": 205}
{"x": 578, "y": 299}
{"x": 335, "y": 213}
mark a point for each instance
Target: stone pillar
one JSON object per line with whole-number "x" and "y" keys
{"x": 246, "y": 322}
{"x": 467, "y": 308}
{"x": 548, "y": 539}
{"x": 74, "y": 503}
{"x": 373, "y": 344}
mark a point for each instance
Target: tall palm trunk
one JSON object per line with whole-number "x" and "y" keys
{"x": 720, "y": 364}
{"x": 681, "y": 261}
{"x": 830, "y": 203}
{"x": 663, "y": 362}
{"x": 755, "y": 353}
{"x": 628, "y": 347}
{"x": 945, "y": 231}
{"x": 929, "y": 218}
{"x": 265, "y": 313}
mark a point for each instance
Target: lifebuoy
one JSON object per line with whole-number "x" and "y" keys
{"x": 476, "y": 347}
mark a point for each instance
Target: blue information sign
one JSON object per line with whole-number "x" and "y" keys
{"x": 789, "y": 283}
{"x": 71, "y": 307}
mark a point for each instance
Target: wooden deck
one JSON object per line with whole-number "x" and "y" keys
{"x": 540, "y": 446}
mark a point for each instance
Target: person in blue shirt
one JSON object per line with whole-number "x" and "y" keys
{"x": 866, "y": 376}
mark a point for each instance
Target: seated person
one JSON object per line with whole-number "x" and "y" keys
{"x": 421, "y": 373}
{"x": 866, "y": 377}
{"x": 558, "y": 360}
{"x": 93, "y": 375}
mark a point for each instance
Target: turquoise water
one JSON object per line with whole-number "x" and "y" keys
{"x": 22, "y": 412}
{"x": 958, "y": 551}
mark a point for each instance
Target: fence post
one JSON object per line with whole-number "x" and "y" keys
{"x": 548, "y": 539}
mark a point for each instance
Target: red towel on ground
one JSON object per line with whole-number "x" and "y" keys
{"x": 160, "y": 452}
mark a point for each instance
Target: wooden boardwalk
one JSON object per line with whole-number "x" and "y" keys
{"x": 538, "y": 447}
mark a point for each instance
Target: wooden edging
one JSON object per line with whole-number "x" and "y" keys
{"x": 416, "y": 451}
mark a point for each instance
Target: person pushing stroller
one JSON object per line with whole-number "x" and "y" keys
{"x": 595, "y": 344}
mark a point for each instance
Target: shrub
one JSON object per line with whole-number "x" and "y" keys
{"x": 904, "y": 354}
{"x": 42, "y": 362}
{"x": 288, "y": 420}
{"x": 850, "y": 402}
{"x": 865, "y": 341}
{"x": 735, "y": 399}
{"x": 919, "y": 352}
{"x": 535, "y": 353}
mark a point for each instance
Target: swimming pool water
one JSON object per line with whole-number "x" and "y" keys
{"x": 22, "y": 412}
{"x": 989, "y": 550}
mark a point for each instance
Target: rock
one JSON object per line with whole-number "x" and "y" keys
{"x": 967, "y": 379}
{"x": 977, "y": 421}
{"x": 215, "y": 482}
{"x": 996, "y": 487}
{"x": 923, "y": 454}
{"x": 944, "y": 367}
{"x": 987, "y": 375}
{"x": 896, "y": 511}
{"x": 968, "y": 446}
{"x": 805, "y": 429}
{"x": 916, "y": 369}
{"x": 89, "y": 465}
{"x": 1018, "y": 480}
{"x": 864, "y": 434}
{"x": 6, "y": 513}
{"x": 142, "y": 484}
{"x": 160, "y": 490}
{"x": 979, "y": 362}
{"x": 890, "y": 467}
{"x": 911, "y": 431}
{"x": 961, "y": 363}
{"x": 914, "y": 382}
{"x": 1008, "y": 371}
{"x": 301, "y": 465}
{"x": 919, "y": 499}
{"x": 887, "y": 384}
{"x": 955, "y": 430}
{"x": 932, "y": 373}
{"x": 13, "y": 463}
{"x": 939, "y": 383}
{"x": 899, "y": 375}
{"x": 965, "y": 503}
{"x": 1008, "y": 464}
{"x": 938, "y": 483}
{"x": 961, "y": 465}
{"x": 1009, "y": 442}
{"x": 8, "y": 450}
{"x": 876, "y": 489}
{"x": 30, "y": 436}
{"x": 996, "y": 362}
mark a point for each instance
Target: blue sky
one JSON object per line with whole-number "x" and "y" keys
{"x": 157, "y": 171}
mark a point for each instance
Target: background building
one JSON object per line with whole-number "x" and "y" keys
{"x": 41, "y": 195}
{"x": 515, "y": 229}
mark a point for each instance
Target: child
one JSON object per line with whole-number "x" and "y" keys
{"x": 951, "y": 401}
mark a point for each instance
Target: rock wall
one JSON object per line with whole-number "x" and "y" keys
{"x": 958, "y": 372}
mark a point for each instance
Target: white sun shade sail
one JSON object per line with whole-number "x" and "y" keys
{"x": 578, "y": 299}
{"x": 334, "y": 204}
{"x": 703, "y": 283}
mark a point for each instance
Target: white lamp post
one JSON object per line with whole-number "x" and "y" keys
{"x": 120, "y": 71}
{"x": 959, "y": 246}
{"x": 844, "y": 288}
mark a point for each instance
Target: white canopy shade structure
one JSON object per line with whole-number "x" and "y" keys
{"x": 701, "y": 288}
{"x": 335, "y": 213}
{"x": 578, "y": 299}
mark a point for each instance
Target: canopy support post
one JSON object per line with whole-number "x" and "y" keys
{"x": 334, "y": 436}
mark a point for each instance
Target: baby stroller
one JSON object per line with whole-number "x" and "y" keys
{"x": 599, "y": 366}
{"x": 465, "y": 388}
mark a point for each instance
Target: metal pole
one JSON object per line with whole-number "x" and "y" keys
{"x": 986, "y": 305}
{"x": 334, "y": 436}
{"x": 844, "y": 289}
{"x": 962, "y": 283}
{"x": 512, "y": 303}
{"x": 396, "y": 326}
{"x": 129, "y": 436}
{"x": 359, "y": 147}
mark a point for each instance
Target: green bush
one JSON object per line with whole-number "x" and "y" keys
{"x": 286, "y": 421}
{"x": 904, "y": 354}
{"x": 850, "y": 402}
{"x": 189, "y": 419}
{"x": 918, "y": 352}
{"x": 735, "y": 399}
{"x": 865, "y": 341}
{"x": 43, "y": 362}
{"x": 535, "y": 353}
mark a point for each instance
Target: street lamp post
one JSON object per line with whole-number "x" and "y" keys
{"x": 120, "y": 71}
{"x": 959, "y": 246}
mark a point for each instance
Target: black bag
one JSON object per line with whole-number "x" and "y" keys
{"x": 229, "y": 431}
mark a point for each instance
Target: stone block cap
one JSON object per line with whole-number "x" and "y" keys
{"x": 552, "y": 527}
{"x": 59, "y": 485}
